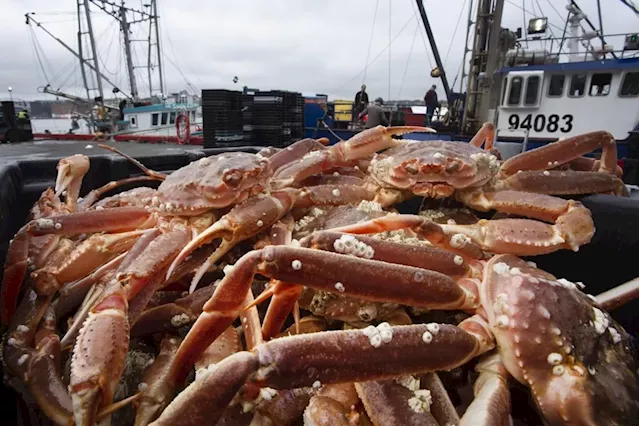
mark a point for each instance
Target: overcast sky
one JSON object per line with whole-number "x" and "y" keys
{"x": 307, "y": 46}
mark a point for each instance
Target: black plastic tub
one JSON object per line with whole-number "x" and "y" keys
{"x": 609, "y": 260}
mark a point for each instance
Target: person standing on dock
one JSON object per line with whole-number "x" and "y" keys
{"x": 361, "y": 101}
{"x": 375, "y": 115}
{"x": 431, "y": 102}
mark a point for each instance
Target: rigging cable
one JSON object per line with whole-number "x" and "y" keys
{"x": 389, "y": 75}
{"x": 630, "y": 6}
{"x": 373, "y": 25}
{"x": 424, "y": 42}
{"x": 455, "y": 30}
{"x": 378, "y": 55}
{"x": 406, "y": 67}
{"x": 35, "y": 50}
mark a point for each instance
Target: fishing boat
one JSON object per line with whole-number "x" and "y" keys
{"x": 536, "y": 95}
{"x": 159, "y": 116}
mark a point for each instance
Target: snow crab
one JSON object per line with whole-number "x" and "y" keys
{"x": 545, "y": 332}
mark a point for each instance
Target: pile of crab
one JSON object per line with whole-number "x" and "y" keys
{"x": 147, "y": 307}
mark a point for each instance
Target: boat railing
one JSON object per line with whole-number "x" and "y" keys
{"x": 557, "y": 50}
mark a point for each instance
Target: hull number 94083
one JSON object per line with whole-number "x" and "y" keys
{"x": 539, "y": 123}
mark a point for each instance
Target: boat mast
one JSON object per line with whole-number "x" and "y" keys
{"x": 484, "y": 59}
{"x": 153, "y": 28}
{"x": 434, "y": 49}
{"x": 84, "y": 4}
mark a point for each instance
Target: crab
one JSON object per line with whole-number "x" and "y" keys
{"x": 542, "y": 331}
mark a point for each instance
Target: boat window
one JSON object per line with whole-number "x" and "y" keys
{"x": 154, "y": 119}
{"x": 504, "y": 91}
{"x": 576, "y": 88}
{"x": 133, "y": 121}
{"x": 193, "y": 116}
{"x": 531, "y": 94}
{"x": 629, "y": 85}
{"x": 515, "y": 91}
{"x": 172, "y": 118}
{"x": 163, "y": 119}
{"x": 600, "y": 84}
{"x": 556, "y": 85}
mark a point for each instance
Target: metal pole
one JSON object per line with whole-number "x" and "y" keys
{"x": 149, "y": 63}
{"x": 493, "y": 58}
{"x": 466, "y": 46}
{"x": 573, "y": 3}
{"x": 82, "y": 61}
{"x": 155, "y": 19}
{"x": 600, "y": 21}
{"x": 127, "y": 50}
{"x": 74, "y": 53}
{"x": 434, "y": 49}
{"x": 93, "y": 47}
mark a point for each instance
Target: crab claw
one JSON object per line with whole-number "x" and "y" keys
{"x": 242, "y": 222}
{"x": 362, "y": 145}
{"x": 71, "y": 170}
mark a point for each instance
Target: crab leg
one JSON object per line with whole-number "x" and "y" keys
{"x": 99, "y": 354}
{"x": 151, "y": 173}
{"x": 618, "y": 296}
{"x": 565, "y": 182}
{"x": 363, "y": 144}
{"x": 564, "y": 151}
{"x": 45, "y": 373}
{"x": 492, "y": 403}
{"x": 320, "y": 270}
{"x": 90, "y": 254}
{"x": 573, "y": 225}
{"x": 93, "y": 196}
{"x": 294, "y": 152}
{"x": 325, "y": 358}
{"x": 486, "y": 135}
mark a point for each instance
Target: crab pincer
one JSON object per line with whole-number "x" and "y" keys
{"x": 364, "y": 144}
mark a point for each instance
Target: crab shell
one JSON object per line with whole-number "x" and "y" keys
{"x": 554, "y": 339}
{"x": 433, "y": 168}
{"x": 213, "y": 182}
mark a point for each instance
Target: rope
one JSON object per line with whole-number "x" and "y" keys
{"x": 373, "y": 25}
{"x": 406, "y": 67}
{"x": 455, "y": 30}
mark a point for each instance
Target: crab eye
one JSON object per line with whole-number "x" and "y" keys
{"x": 232, "y": 178}
{"x": 412, "y": 169}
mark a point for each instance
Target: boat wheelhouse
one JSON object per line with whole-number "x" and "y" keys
{"x": 550, "y": 101}
{"x": 160, "y": 119}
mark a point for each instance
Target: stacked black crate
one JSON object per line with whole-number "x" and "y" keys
{"x": 247, "y": 118}
{"x": 222, "y": 118}
{"x": 278, "y": 118}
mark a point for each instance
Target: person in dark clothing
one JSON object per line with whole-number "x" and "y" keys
{"x": 431, "y": 102}
{"x": 376, "y": 115}
{"x": 361, "y": 101}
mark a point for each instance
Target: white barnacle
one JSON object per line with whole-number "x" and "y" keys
{"x": 580, "y": 285}
{"x": 558, "y": 370}
{"x": 457, "y": 260}
{"x": 427, "y": 337}
{"x": 567, "y": 284}
{"x": 22, "y": 328}
{"x": 421, "y": 400}
{"x": 259, "y": 223}
{"x": 369, "y": 206}
{"x": 11, "y": 341}
{"x": 375, "y": 340}
{"x": 556, "y": 331}
{"x": 515, "y": 271}
{"x": 418, "y": 276}
{"x": 316, "y": 385}
{"x": 532, "y": 264}
{"x": 385, "y": 331}
{"x": 44, "y": 224}
{"x": 340, "y": 287}
{"x": 544, "y": 312}
{"x": 142, "y": 386}
{"x": 370, "y": 331}
{"x": 58, "y": 226}
{"x": 501, "y": 268}
{"x": 615, "y": 335}
{"x": 433, "y": 328}
{"x": 578, "y": 370}
{"x": 459, "y": 240}
{"x": 23, "y": 358}
{"x": 554, "y": 358}
{"x": 267, "y": 394}
{"x": 180, "y": 319}
{"x": 336, "y": 192}
{"x": 408, "y": 382}
{"x": 296, "y": 265}
{"x": 546, "y": 173}
{"x": 502, "y": 321}
{"x": 369, "y": 252}
{"x": 600, "y": 322}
